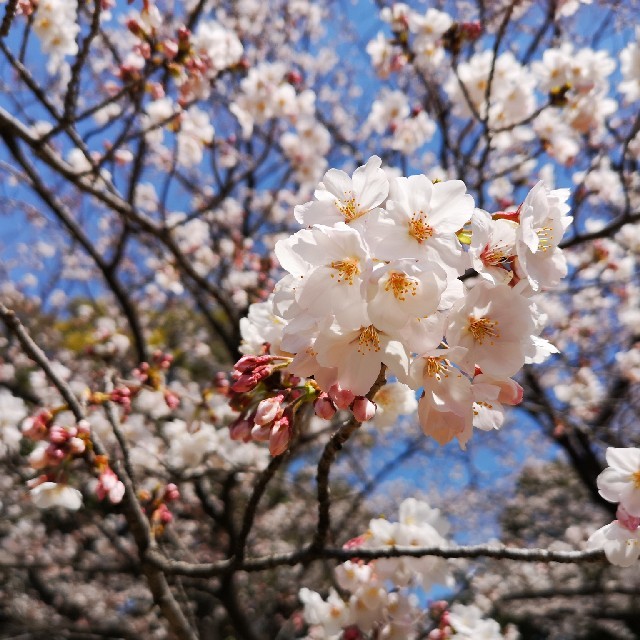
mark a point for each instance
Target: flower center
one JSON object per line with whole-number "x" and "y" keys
{"x": 492, "y": 256}
{"x": 481, "y": 328}
{"x": 401, "y": 285}
{"x": 436, "y": 367}
{"x": 347, "y": 269}
{"x": 348, "y": 207}
{"x": 635, "y": 478}
{"x": 544, "y": 238}
{"x": 418, "y": 227}
{"x": 368, "y": 340}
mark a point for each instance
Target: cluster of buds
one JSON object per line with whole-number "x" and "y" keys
{"x": 155, "y": 506}
{"x": 439, "y": 613}
{"x": 338, "y": 398}
{"x": 109, "y": 486}
{"x": 59, "y": 445}
{"x": 267, "y": 400}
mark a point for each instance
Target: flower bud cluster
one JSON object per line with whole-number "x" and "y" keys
{"x": 374, "y": 279}
{"x": 267, "y": 400}
{"x": 156, "y": 507}
{"x": 193, "y": 59}
{"x": 339, "y": 399}
{"x": 620, "y": 482}
{"x": 56, "y": 449}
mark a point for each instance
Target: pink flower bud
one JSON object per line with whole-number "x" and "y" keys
{"x": 363, "y": 409}
{"x": 171, "y": 492}
{"x": 38, "y": 458}
{"x": 240, "y": 430}
{"x": 117, "y": 493}
{"x": 54, "y": 454}
{"x": 250, "y": 380}
{"x": 342, "y": 398}
{"x": 77, "y": 446}
{"x": 280, "y": 437}
{"x": 109, "y": 486}
{"x": 268, "y": 410}
{"x": 58, "y": 435}
{"x": 84, "y": 427}
{"x": 172, "y": 400}
{"x": 247, "y": 363}
{"x": 261, "y": 434}
{"x": 324, "y": 408}
{"x": 170, "y": 49}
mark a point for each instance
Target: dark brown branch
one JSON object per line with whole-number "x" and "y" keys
{"x": 336, "y": 442}
{"x": 311, "y": 554}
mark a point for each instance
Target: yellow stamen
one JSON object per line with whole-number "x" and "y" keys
{"x": 636, "y": 479}
{"x": 436, "y": 367}
{"x": 348, "y": 207}
{"x": 401, "y": 285}
{"x": 481, "y": 328}
{"x": 418, "y": 227}
{"x": 368, "y": 340}
{"x": 544, "y": 238}
{"x": 347, "y": 269}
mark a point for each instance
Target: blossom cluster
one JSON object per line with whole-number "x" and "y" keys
{"x": 620, "y": 482}
{"x": 374, "y": 281}
{"x": 381, "y": 601}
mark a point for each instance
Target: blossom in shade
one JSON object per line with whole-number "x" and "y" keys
{"x": 51, "y": 494}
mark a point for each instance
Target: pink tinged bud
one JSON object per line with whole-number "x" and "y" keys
{"x": 109, "y": 486}
{"x": 363, "y": 409}
{"x": 249, "y": 381}
{"x": 117, "y": 493}
{"x": 268, "y": 410}
{"x": 170, "y": 49}
{"x": 84, "y": 427}
{"x": 77, "y": 446}
{"x": 435, "y": 634}
{"x": 184, "y": 33}
{"x": 280, "y": 437}
{"x": 437, "y": 608}
{"x": 240, "y": 430}
{"x": 171, "y": 492}
{"x": 247, "y": 363}
{"x": 625, "y": 520}
{"x": 261, "y": 434}
{"x": 54, "y": 454}
{"x": 172, "y": 400}
{"x": 38, "y": 458}
{"x": 58, "y": 435}
{"x": 324, "y": 408}
{"x": 342, "y": 398}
